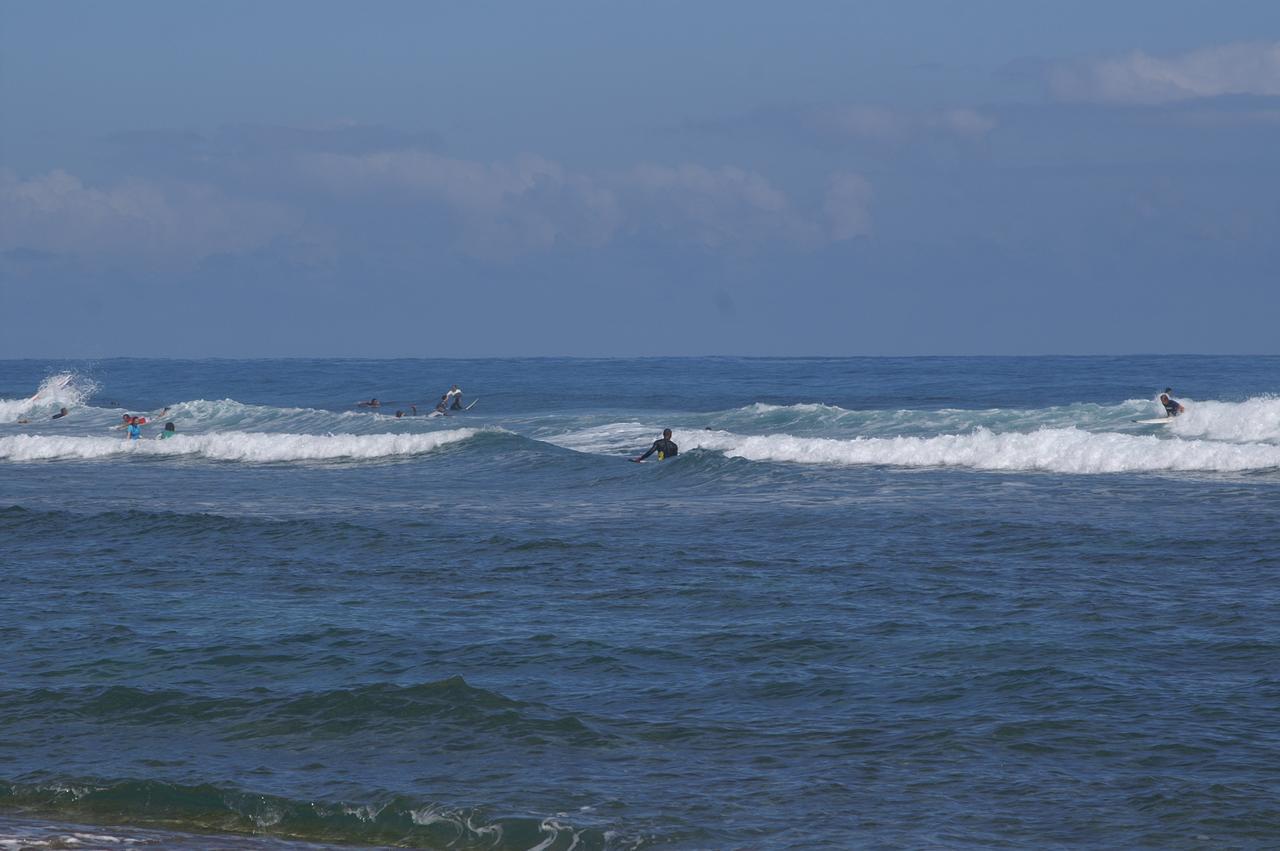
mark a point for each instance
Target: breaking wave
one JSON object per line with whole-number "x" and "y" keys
{"x": 62, "y": 390}
{"x": 239, "y": 446}
{"x": 1058, "y": 450}
{"x": 1255, "y": 420}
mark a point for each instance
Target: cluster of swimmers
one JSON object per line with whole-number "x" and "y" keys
{"x": 450, "y": 401}
{"x": 132, "y": 425}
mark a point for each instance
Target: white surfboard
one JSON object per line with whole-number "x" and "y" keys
{"x": 472, "y": 405}
{"x": 62, "y": 382}
{"x": 1160, "y": 421}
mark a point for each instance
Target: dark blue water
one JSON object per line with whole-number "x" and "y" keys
{"x": 872, "y": 603}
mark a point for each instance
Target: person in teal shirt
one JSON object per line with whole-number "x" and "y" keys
{"x": 169, "y": 431}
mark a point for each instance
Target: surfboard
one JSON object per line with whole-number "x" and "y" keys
{"x": 148, "y": 419}
{"x": 1160, "y": 421}
{"x": 63, "y": 381}
{"x": 472, "y": 405}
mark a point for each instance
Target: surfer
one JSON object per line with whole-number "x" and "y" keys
{"x": 61, "y": 413}
{"x": 372, "y": 403}
{"x": 1171, "y": 406}
{"x": 664, "y": 446}
{"x": 169, "y": 431}
{"x": 442, "y": 407}
{"x": 455, "y": 397}
{"x": 134, "y": 431}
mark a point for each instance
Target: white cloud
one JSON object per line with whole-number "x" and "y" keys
{"x": 57, "y": 212}
{"x": 496, "y": 210}
{"x": 1231, "y": 69}
{"x": 713, "y": 207}
{"x": 504, "y": 208}
{"x": 848, "y": 206}
{"x": 531, "y": 204}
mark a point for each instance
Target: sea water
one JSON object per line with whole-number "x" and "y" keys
{"x": 891, "y": 603}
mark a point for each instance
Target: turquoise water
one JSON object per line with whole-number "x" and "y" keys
{"x": 873, "y": 602}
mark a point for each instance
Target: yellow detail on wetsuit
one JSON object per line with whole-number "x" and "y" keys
{"x": 661, "y": 456}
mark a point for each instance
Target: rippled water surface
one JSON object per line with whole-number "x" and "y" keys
{"x": 872, "y": 603}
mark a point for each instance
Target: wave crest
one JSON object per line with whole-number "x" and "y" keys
{"x": 248, "y": 446}
{"x": 60, "y": 390}
{"x": 1058, "y": 450}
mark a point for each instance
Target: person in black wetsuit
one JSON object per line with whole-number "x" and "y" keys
{"x": 664, "y": 446}
{"x": 1171, "y": 407}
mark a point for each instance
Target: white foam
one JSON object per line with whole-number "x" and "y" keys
{"x": 63, "y": 389}
{"x": 246, "y": 446}
{"x": 1255, "y": 420}
{"x": 1059, "y": 450}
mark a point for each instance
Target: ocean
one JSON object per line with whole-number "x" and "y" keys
{"x": 872, "y": 603}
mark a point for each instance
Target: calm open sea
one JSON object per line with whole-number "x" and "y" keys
{"x": 890, "y": 603}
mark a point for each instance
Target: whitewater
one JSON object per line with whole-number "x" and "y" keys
{"x": 1081, "y": 438}
{"x": 912, "y": 602}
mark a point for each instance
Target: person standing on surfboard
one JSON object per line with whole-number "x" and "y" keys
{"x": 664, "y": 446}
{"x": 1171, "y": 406}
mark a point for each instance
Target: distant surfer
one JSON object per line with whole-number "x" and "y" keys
{"x": 61, "y": 413}
{"x": 664, "y": 446}
{"x": 169, "y": 431}
{"x": 454, "y": 396}
{"x": 442, "y": 407}
{"x": 372, "y": 403}
{"x": 1171, "y": 406}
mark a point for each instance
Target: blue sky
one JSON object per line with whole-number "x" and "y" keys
{"x": 600, "y": 178}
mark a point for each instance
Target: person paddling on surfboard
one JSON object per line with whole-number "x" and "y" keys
{"x": 664, "y": 446}
{"x": 1171, "y": 406}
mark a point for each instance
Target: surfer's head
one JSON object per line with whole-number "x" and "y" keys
{"x": 666, "y": 432}
{"x": 169, "y": 427}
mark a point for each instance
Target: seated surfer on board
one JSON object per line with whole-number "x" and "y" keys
{"x": 664, "y": 446}
{"x": 442, "y": 407}
{"x": 1171, "y": 406}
